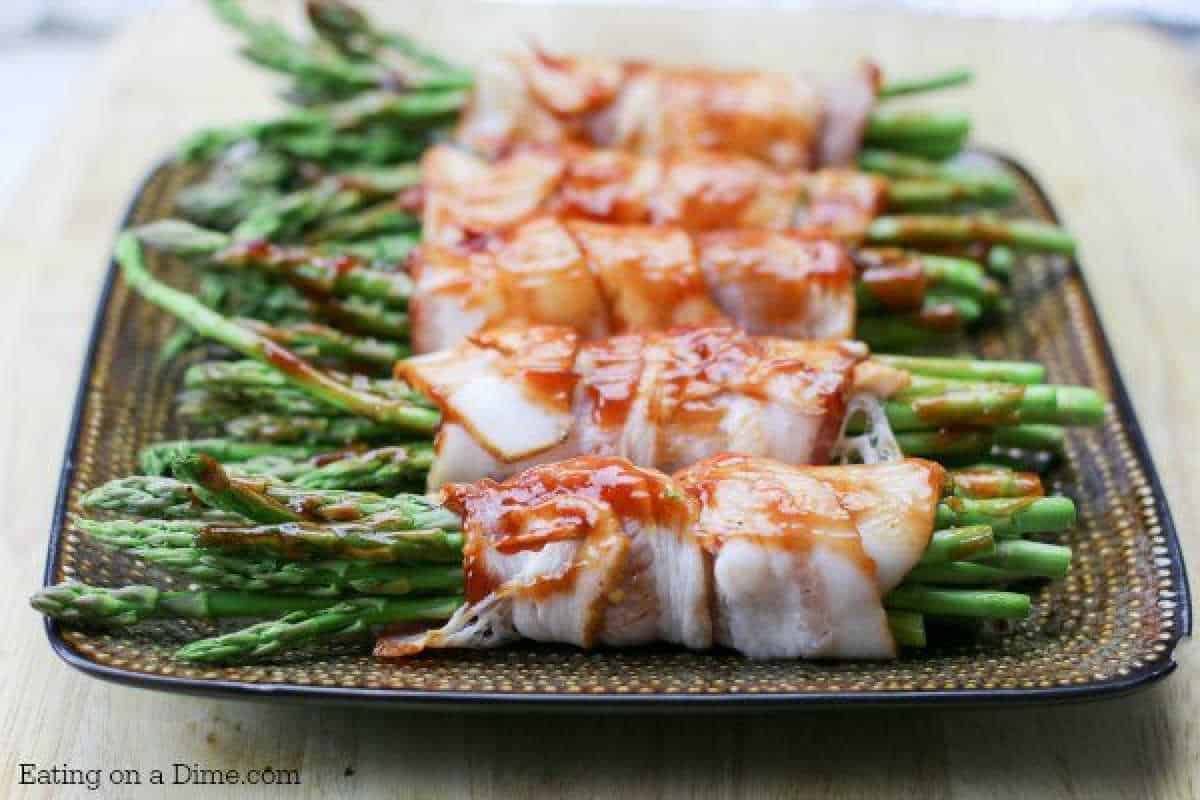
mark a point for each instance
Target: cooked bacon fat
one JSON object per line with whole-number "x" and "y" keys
{"x": 515, "y": 397}
{"x": 772, "y": 560}
{"x": 781, "y": 120}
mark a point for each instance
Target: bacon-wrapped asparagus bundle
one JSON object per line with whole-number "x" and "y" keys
{"x": 534, "y": 96}
{"x": 657, "y": 110}
{"x": 604, "y": 279}
{"x": 697, "y": 190}
{"x": 515, "y": 397}
{"x": 772, "y": 560}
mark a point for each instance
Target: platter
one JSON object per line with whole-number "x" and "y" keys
{"x": 1110, "y": 627}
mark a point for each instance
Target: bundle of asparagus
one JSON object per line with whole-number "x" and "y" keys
{"x": 337, "y": 563}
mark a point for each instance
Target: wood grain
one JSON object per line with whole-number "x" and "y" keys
{"x": 1108, "y": 116}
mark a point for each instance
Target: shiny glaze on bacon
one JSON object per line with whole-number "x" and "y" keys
{"x": 669, "y": 400}
{"x": 649, "y": 276}
{"x": 894, "y": 278}
{"x": 840, "y": 204}
{"x": 801, "y": 556}
{"x": 663, "y": 400}
{"x": 534, "y": 274}
{"x": 656, "y": 110}
{"x": 770, "y": 559}
{"x": 588, "y": 551}
{"x": 774, "y": 284}
{"x": 696, "y": 190}
{"x": 605, "y": 279}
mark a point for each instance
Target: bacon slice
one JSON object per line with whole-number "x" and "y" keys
{"x": 893, "y": 506}
{"x": 465, "y": 196}
{"x": 670, "y": 400}
{"x": 662, "y": 400}
{"x": 588, "y": 551}
{"x": 705, "y": 190}
{"x": 775, "y": 284}
{"x": 505, "y": 397}
{"x": 769, "y": 559}
{"x": 654, "y": 110}
{"x": 604, "y": 279}
{"x": 533, "y": 274}
{"x": 774, "y": 118}
{"x": 848, "y": 108}
{"x": 649, "y": 276}
{"x": 696, "y": 190}
{"x": 840, "y": 204}
{"x": 802, "y": 556}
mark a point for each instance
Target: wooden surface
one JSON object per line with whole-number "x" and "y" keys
{"x": 1108, "y": 116}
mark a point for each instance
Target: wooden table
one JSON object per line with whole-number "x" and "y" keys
{"x": 1107, "y": 115}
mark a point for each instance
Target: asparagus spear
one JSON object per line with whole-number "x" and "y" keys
{"x": 176, "y": 499}
{"x": 1001, "y": 261}
{"x": 325, "y": 578}
{"x": 370, "y": 128}
{"x": 901, "y": 126}
{"x": 913, "y": 229}
{"x": 309, "y": 271}
{"x": 990, "y": 482}
{"x": 204, "y": 406}
{"x": 132, "y": 604}
{"x": 379, "y": 470}
{"x": 1008, "y": 517}
{"x": 919, "y": 194}
{"x": 347, "y": 618}
{"x": 156, "y": 533}
{"x": 899, "y": 280}
{"x": 907, "y": 627}
{"x": 388, "y": 249}
{"x": 148, "y": 496}
{"x": 155, "y": 459}
{"x": 236, "y": 496}
{"x": 235, "y": 376}
{"x": 385, "y": 537}
{"x": 936, "y": 402}
{"x": 942, "y": 80}
{"x": 311, "y": 339}
{"x": 994, "y": 186}
{"x": 352, "y": 32}
{"x": 959, "y": 544}
{"x": 959, "y": 602}
{"x": 299, "y": 373}
{"x": 235, "y": 184}
{"x": 79, "y": 603}
{"x": 1012, "y": 561}
{"x": 289, "y": 216}
{"x": 972, "y": 444}
{"x": 321, "y": 432}
{"x": 390, "y": 536}
{"x": 1027, "y": 372}
{"x": 354, "y": 65}
{"x": 269, "y": 45}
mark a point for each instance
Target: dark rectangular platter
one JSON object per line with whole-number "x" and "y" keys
{"x": 1109, "y": 628}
